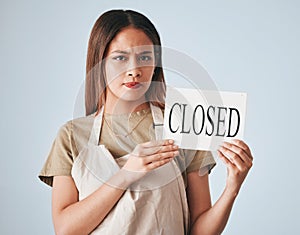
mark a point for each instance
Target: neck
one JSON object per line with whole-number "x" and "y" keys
{"x": 122, "y": 107}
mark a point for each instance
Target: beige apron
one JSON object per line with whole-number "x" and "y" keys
{"x": 156, "y": 204}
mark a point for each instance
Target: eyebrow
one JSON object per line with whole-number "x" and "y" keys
{"x": 146, "y": 52}
{"x": 126, "y": 52}
{"x": 120, "y": 51}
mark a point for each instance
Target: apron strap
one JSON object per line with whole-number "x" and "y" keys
{"x": 95, "y": 133}
{"x": 158, "y": 120}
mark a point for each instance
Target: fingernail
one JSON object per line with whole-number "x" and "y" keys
{"x": 176, "y": 153}
{"x": 175, "y": 146}
{"x": 171, "y": 141}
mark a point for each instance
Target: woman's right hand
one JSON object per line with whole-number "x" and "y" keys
{"x": 150, "y": 155}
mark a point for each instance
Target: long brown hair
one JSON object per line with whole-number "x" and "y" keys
{"x": 107, "y": 26}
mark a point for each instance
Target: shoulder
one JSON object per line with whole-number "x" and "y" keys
{"x": 81, "y": 123}
{"x": 77, "y": 131}
{"x": 77, "y": 124}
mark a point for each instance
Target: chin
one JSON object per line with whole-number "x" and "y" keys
{"x": 132, "y": 98}
{"x": 134, "y": 94}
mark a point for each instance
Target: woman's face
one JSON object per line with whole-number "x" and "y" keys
{"x": 129, "y": 66}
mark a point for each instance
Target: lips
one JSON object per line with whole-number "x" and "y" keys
{"x": 132, "y": 84}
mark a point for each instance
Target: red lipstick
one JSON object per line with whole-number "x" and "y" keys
{"x": 132, "y": 84}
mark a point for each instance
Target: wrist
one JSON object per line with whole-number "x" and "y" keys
{"x": 231, "y": 191}
{"x": 129, "y": 176}
{"x": 122, "y": 179}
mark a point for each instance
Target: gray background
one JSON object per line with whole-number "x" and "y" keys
{"x": 249, "y": 46}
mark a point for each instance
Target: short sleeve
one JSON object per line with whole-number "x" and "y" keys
{"x": 60, "y": 158}
{"x": 203, "y": 161}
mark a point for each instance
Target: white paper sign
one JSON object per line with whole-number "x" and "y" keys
{"x": 198, "y": 119}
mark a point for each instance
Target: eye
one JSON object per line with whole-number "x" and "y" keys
{"x": 145, "y": 58}
{"x": 120, "y": 58}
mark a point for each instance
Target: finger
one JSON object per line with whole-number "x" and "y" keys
{"x": 161, "y": 149}
{"x": 243, "y": 146}
{"x": 225, "y": 160}
{"x": 161, "y": 156}
{"x": 167, "y": 148}
{"x": 142, "y": 151}
{"x": 156, "y": 164}
{"x": 241, "y": 152}
{"x": 156, "y": 143}
{"x": 233, "y": 157}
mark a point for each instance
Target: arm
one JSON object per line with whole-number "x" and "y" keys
{"x": 69, "y": 213}
{"x": 202, "y": 213}
{"x": 71, "y": 216}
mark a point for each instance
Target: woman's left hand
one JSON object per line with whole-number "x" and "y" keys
{"x": 238, "y": 159}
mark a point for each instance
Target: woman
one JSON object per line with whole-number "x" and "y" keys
{"x": 110, "y": 171}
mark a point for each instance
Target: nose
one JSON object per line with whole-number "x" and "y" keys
{"x": 134, "y": 72}
{"x": 133, "y": 69}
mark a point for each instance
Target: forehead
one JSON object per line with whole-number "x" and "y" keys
{"x": 130, "y": 39}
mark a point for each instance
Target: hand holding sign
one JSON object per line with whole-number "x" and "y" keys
{"x": 238, "y": 159}
{"x": 201, "y": 120}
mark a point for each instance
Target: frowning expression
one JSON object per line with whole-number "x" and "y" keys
{"x": 129, "y": 65}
